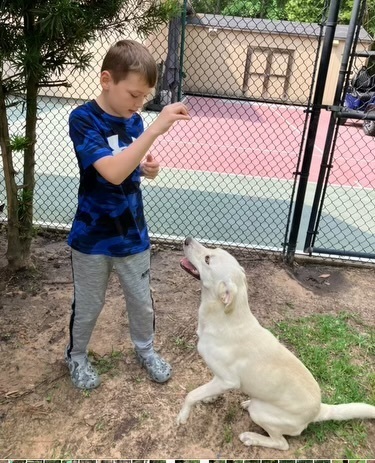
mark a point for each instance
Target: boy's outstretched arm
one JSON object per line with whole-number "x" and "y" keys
{"x": 115, "y": 169}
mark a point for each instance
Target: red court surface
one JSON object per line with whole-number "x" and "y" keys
{"x": 262, "y": 140}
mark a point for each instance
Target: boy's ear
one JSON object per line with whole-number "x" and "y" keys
{"x": 105, "y": 79}
{"x": 227, "y": 292}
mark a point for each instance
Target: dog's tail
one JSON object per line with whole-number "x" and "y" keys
{"x": 345, "y": 412}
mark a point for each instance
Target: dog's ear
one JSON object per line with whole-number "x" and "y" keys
{"x": 227, "y": 292}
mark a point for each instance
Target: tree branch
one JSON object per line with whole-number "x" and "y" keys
{"x": 57, "y": 83}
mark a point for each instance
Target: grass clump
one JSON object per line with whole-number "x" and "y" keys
{"x": 339, "y": 351}
{"x": 107, "y": 363}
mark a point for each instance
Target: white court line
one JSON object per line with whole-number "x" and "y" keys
{"x": 300, "y": 132}
{"x": 295, "y": 128}
{"x": 264, "y": 178}
{"x": 350, "y": 187}
{"x": 251, "y": 150}
{"x": 225, "y": 174}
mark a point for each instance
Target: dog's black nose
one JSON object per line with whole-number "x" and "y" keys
{"x": 188, "y": 240}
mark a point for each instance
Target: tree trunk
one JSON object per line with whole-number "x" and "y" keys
{"x": 20, "y": 258}
{"x": 25, "y": 214}
{"x": 14, "y": 255}
{"x": 27, "y": 197}
{"x": 20, "y": 198}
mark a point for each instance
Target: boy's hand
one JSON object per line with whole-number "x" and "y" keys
{"x": 168, "y": 116}
{"x": 150, "y": 167}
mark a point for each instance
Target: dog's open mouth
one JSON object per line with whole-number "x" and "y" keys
{"x": 189, "y": 268}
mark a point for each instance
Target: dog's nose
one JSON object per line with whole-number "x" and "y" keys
{"x": 188, "y": 240}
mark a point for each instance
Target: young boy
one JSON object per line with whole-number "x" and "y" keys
{"x": 109, "y": 228}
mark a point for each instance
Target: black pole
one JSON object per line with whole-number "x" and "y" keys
{"x": 317, "y": 205}
{"x": 313, "y": 126}
{"x": 351, "y": 41}
{"x": 182, "y": 48}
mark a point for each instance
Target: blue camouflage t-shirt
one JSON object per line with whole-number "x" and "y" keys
{"x": 109, "y": 218}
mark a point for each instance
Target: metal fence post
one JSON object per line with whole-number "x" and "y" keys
{"x": 182, "y": 48}
{"x": 352, "y": 38}
{"x": 314, "y": 120}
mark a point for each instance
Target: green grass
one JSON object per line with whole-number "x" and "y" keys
{"x": 228, "y": 434}
{"x": 183, "y": 344}
{"x": 339, "y": 351}
{"x": 354, "y": 461}
{"x": 231, "y": 414}
{"x": 229, "y": 418}
{"x": 107, "y": 363}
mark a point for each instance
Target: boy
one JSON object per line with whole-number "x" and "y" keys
{"x": 109, "y": 228}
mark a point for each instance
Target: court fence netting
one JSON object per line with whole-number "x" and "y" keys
{"x": 247, "y": 171}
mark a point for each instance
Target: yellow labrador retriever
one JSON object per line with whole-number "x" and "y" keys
{"x": 284, "y": 396}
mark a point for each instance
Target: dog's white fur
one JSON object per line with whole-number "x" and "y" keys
{"x": 284, "y": 396}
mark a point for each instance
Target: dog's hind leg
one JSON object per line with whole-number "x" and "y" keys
{"x": 274, "y": 441}
{"x": 214, "y": 388}
{"x": 275, "y": 421}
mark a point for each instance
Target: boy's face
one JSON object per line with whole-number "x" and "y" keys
{"x": 124, "y": 98}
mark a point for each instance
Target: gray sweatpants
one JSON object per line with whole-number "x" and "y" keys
{"x": 90, "y": 277}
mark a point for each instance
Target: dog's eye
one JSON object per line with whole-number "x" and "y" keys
{"x": 207, "y": 260}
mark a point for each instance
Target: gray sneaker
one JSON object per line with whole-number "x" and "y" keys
{"x": 82, "y": 373}
{"x": 157, "y": 368}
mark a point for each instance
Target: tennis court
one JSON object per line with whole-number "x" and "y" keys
{"x": 227, "y": 175}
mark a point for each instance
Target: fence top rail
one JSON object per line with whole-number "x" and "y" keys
{"x": 269, "y": 26}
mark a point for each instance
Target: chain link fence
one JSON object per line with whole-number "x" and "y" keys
{"x": 228, "y": 176}
{"x": 345, "y": 209}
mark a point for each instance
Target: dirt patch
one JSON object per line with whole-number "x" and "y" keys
{"x": 43, "y": 416}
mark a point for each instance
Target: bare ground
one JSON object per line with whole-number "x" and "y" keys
{"x": 43, "y": 416}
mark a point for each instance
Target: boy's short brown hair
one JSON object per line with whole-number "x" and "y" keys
{"x": 130, "y": 56}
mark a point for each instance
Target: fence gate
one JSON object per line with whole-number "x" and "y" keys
{"x": 228, "y": 174}
{"x": 342, "y": 218}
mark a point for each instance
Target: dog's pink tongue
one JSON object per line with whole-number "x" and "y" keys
{"x": 189, "y": 267}
{"x": 186, "y": 264}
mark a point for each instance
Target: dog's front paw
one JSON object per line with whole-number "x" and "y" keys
{"x": 245, "y": 404}
{"x": 182, "y": 416}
